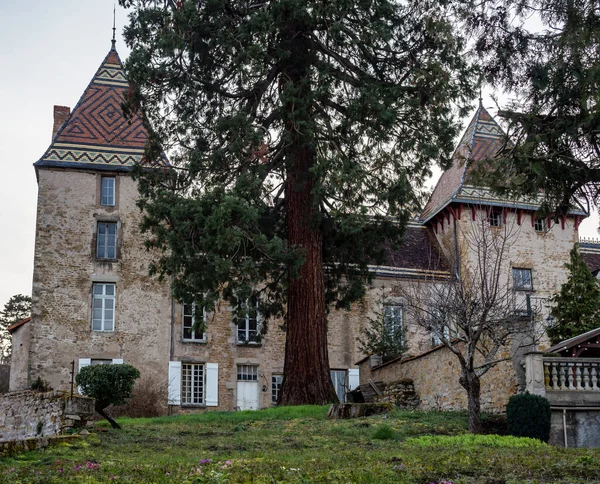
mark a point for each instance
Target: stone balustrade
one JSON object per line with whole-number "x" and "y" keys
{"x": 572, "y": 374}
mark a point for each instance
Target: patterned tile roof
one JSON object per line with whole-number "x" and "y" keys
{"x": 483, "y": 138}
{"x": 97, "y": 135}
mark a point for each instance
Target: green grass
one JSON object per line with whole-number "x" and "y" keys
{"x": 298, "y": 444}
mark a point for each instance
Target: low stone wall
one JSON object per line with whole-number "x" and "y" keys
{"x": 580, "y": 427}
{"x": 401, "y": 393}
{"x": 435, "y": 375}
{"x": 28, "y": 414}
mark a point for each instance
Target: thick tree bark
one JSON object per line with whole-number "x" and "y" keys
{"x": 471, "y": 383}
{"x": 101, "y": 411}
{"x": 306, "y": 368}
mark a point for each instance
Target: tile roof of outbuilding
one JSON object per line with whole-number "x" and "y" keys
{"x": 97, "y": 135}
{"x": 18, "y": 324}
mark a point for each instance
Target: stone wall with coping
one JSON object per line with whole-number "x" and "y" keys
{"x": 435, "y": 375}
{"x": 27, "y": 414}
{"x": 401, "y": 393}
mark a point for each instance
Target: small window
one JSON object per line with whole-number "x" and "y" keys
{"x": 540, "y": 225}
{"x": 189, "y": 323}
{"x": 248, "y": 323}
{"x": 247, "y": 373}
{"x": 103, "y": 307}
{"x": 392, "y": 320}
{"x": 495, "y": 219}
{"x": 522, "y": 279}
{"x": 107, "y": 196}
{"x": 101, "y": 362}
{"x": 276, "y": 381}
{"x": 192, "y": 384}
{"x": 439, "y": 323}
{"x": 106, "y": 240}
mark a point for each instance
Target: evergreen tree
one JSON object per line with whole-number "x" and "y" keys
{"x": 299, "y": 133}
{"x": 16, "y": 309}
{"x": 545, "y": 53}
{"x": 577, "y": 305}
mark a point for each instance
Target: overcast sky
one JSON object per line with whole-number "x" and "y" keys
{"x": 49, "y": 51}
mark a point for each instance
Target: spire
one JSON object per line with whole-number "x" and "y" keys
{"x": 96, "y": 134}
{"x": 114, "y": 29}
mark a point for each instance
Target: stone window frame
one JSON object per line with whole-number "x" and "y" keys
{"x": 540, "y": 225}
{"x": 102, "y": 251}
{"x": 193, "y": 383}
{"x": 117, "y": 178}
{"x": 185, "y": 314}
{"x": 520, "y": 283}
{"x": 104, "y": 297}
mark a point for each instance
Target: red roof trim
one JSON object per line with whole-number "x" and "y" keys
{"x": 11, "y": 328}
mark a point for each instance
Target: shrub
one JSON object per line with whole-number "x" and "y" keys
{"x": 108, "y": 384}
{"x": 149, "y": 399}
{"x": 529, "y": 416}
{"x": 40, "y": 385}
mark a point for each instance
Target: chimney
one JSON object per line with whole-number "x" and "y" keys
{"x": 61, "y": 113}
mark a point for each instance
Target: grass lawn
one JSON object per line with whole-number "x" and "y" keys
{"x": 298, "y": 444}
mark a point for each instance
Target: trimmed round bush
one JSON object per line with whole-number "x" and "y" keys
{"x": 529, "y": 416}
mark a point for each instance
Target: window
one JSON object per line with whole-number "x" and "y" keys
{"x": 103, "y": 307}
{"x": 248, "y": 326}
{"x": 192, "y": 384}
{"x": 392, "y": 320}
{"x": 107, "y": 191}
{"x": 522, "y": 279}
{"x": 439, "y": 323}
{"x": 540, "y": 225}
{"x": 247, "y": 373}
{"x": 106, "y": 240}
{"x": 189, "y": 321}
{"x": 495, "y": 219}
{"x": 101, "y": 362}
{"x": 276, "y": 381}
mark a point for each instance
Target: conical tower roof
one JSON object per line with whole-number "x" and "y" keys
{"x": 97, "y": 135}
{"x": 483, "y": 139}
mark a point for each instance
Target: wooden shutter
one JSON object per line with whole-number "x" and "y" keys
{"x": 117, "y": 361}
{"x": 174, "y": 392}
{"x": 212, "y": 384}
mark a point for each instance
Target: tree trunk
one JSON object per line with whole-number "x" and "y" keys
{"x": 306, "y": 368}
{"x": 101, "y": 411}
{"x": 471, "y": 383}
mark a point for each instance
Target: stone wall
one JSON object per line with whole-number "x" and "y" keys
{"x": 401, "y": 393}
{"x": 28, "y": 414}
{"x": 435, "y": 375}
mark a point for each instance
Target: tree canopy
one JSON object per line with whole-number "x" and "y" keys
{"x": 17, "y": 308}
{"x": 545, "y": 54}
{"x": 576, "y": 307}
{"x": 299, "y": 133}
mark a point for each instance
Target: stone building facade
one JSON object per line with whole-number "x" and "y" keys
{"x": 94, "y": 302}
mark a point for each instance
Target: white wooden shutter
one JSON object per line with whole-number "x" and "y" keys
{"x": 353, "y": 378}
{"x": 83, "y": 362}
{"x": 212, "y": 384}
{"x": 174, "y": 383}
{"x": 117, "y": 361}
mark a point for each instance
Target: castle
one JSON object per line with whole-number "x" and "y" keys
{"x": 94, "y": 302}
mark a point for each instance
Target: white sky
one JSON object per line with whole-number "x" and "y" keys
{"x": 49, "y": 52}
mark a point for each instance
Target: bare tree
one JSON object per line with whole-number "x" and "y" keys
{"x": 477, "y": 313}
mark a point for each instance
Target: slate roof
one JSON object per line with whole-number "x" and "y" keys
{"x": 591, "y": 255}
{"x": 482, "y": 140}
{"x": 97, "y": 135}
{"x": 418, "y": 256}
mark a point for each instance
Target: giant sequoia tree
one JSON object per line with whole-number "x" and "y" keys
{"x": 298, "y": 133}
{"x": 545, "y": 53}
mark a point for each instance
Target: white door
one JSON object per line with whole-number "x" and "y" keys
{"x": 247, "y": 395}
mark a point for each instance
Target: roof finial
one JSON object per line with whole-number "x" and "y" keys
{"x": 113, "y": 41}
{"x": 480, "y": 98}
